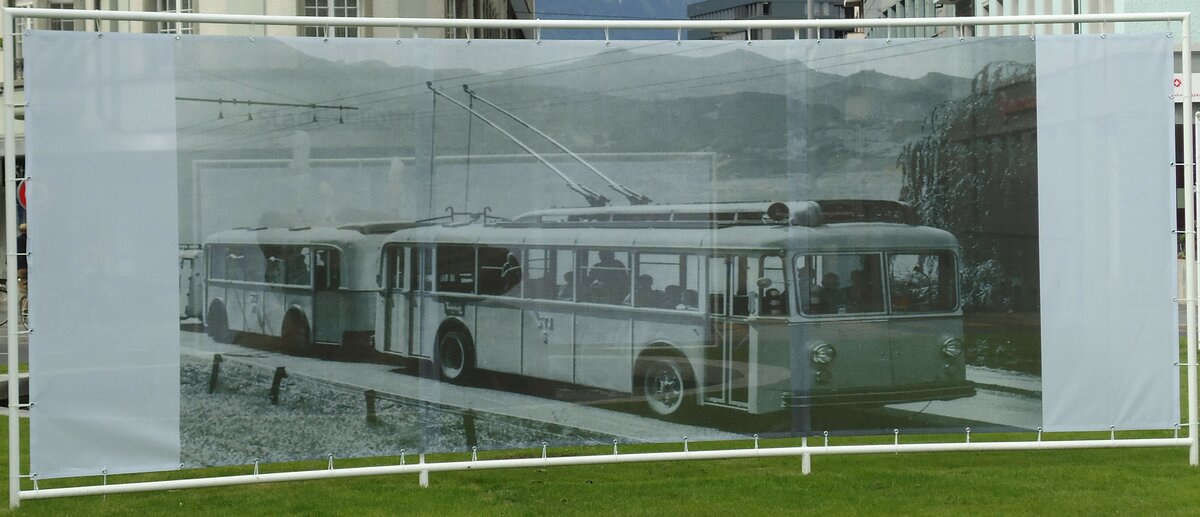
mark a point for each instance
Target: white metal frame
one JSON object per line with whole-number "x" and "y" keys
{"x": 16, "y": 495}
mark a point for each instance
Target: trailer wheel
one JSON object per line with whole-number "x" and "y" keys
{"x": 454, "y": 356}
{"x": 294, "y": 335}
{"x": 217, "y": 323}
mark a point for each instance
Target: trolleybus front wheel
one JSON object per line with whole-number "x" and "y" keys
{"x": 664, "y": 386}
{"x": 453, "y": 357}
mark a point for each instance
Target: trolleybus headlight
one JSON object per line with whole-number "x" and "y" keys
{"x": 953, "y": 347}
{"x": 823, "y": 354}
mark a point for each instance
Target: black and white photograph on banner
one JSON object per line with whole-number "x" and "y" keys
{"x": 316, "y": 249}
{"x": 428, "y": 246}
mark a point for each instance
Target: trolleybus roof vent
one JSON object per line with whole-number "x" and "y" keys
{"x": 866, "y": 211}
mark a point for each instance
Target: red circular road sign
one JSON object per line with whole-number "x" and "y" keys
{"x": 21, "y": 193}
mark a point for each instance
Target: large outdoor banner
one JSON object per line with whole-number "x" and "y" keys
{"x": 269, "y": 249}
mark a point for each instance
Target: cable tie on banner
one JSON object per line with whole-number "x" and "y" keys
{"x": 756, "y": 441}
{"x": 679, "y": 35}
{"x": 685, "y": 444}
{"x": 795, "y": 33}
{"x": 255, "y": 467}
{"x": 35, "y": 481}
{"x": 968, "y": 436}
{"x": 415, "y": 33}
{"x": 331, "y": 461}
{"x": 474, "y": 453}
{"x": 543, "y": 450}
{"x": 826, "y": 439}
{"x": 402, "y": 451}
{"x": 614, "y": 446}
{"x": 606, "y": 41}
{"x": 1039, "y": 434}
{"x": 896, "y": 433}
{"x": 1112, "y": 432}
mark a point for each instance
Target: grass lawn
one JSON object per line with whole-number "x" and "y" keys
{"x": 1077, "y": 482}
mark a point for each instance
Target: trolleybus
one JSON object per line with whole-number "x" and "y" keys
{"x": 757, "y": 307}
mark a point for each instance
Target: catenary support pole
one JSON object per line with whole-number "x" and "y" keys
{"x": 10, "y": 221}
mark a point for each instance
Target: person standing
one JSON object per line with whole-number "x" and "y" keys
{"x": 23, "y": 268}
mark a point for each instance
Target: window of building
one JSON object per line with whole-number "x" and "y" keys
{"x": 338, "y": 8}
{"x": 62, "y": 25}
{"x": 176, "y": 6}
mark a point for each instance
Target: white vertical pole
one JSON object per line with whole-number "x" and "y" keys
{"x": 1189, "y": 215}
{"x": 10, "y": 220}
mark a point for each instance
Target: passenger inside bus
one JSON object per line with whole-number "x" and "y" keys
{"x": 644, "y": 294}
{"x": 567, "y": 289}
{"x": 608, "y": 279}
{"x": 831, "y": 298}
{"x": 510, "y": 272}
{"x": 860, "y": 293}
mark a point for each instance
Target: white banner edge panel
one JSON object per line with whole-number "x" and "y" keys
{"x": 1105, "y": 211}
{"x": 104, "y": 241}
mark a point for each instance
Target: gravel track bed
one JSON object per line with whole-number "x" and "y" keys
{"x": 237, "y": 424}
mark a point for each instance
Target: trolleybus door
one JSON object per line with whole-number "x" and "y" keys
{"x": 728, "y": 353}
{"x": 327, "y": 299}
{"x": 395, "y": 304}
{"x": 420, "y": 294}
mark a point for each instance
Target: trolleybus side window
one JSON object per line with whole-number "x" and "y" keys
{"x": 607, "y": 278}
{"x": 494, "y": 263}
{"x": 327, "y": 269}
{"x": 840, "y": 283}
{"x": 666, "y": 281}
{"x": 421, "y": 270}
{"x": 216, "y": 266}
{"x": 772, "y": 290}
{"x": 563, "y": 276}
{"x": 456, "y": 269}
{"x": 547, "y": 272}
{"x": 255, "y": 264}
{"x": 727, "y": 278}
{"x": 922, "y": 282}
{"x": 297, "y": 259}
{"x": 394, "y": 268}
{"x": 276, "y": 268}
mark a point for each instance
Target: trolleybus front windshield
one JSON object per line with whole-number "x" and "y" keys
{"x": 859, "y": 283}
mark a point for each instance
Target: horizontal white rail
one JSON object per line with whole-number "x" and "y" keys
{"x": 771, "y": 452}
{"x": 68, "y": 14}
